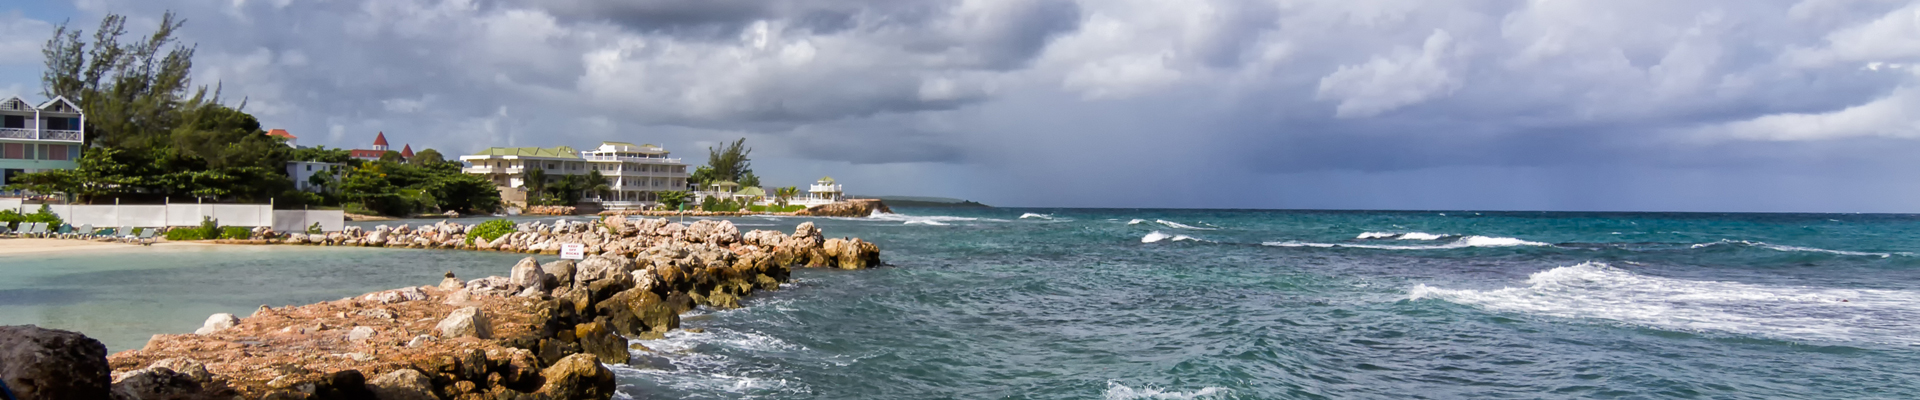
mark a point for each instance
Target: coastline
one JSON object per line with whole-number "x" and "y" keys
{"x": 13, "y": 246}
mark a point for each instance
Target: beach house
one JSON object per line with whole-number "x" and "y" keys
{"x": 40, "y": 137}
{"x": 823, "y": 191}
{"x": 635, "y": 174}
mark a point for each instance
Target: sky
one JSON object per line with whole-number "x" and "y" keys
{"x": 1619, "y": 105}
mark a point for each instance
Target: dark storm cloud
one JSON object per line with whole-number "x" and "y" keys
{"x": 1199, "y": 99}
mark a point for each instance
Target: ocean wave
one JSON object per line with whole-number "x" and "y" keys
{"x": 1464, "y": 242}
{"x": 1156, "y": 236}
{"x": 1136, "y": 221}
{"x": 1601, "y": 291}
{"x": 1036, "y": 216}
{"x": 1171, "y": 224}
{"x": 1117, "y": 391}
{"x": 938, "y": 220}
{"x": 1785, "y": 248}
{"x": 1400, "y": 236}
{"x": 698, "y": 366}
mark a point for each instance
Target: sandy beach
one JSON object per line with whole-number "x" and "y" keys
{"x": 41, "y": 245}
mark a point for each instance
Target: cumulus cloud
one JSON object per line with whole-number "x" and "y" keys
{"x": 1118, "y": 94}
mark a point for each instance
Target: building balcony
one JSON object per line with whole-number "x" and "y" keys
{"x": 492, "y": 170}
{"x": 646, "y": 160}
{"x": 60, "y": 135}
{"x": 16, "y": 133}
{"x": 824, "y": 188}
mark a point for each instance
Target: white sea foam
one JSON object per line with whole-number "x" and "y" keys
{"x": 1400, "y": 236}
{"x": 1172, "y": 224}
{"x": 1156, "y": 236}
{"x": 700, "y": 371}
{"x": 1035, "y": 216}
{"x": 1136, "y": 222}
{"x": 1600, "y": 291}
{"x": 1776, "y": 247}
{"x": 1469, "y": 241}
{"x": 939, "y": 220}
{"x": 1117, "y": 391}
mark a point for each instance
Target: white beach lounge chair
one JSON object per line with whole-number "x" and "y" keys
{"x": 34, "y": 229}
{"x": 125, "y": 234}
{"x": 83, "y": 232}
{"x": 146, "y": 236}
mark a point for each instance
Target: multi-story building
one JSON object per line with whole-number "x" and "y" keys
{"x": 38, "y": 138}
{"x": 635, "y": 174}
{"x": 380, "y": 149}
{"x": 823, "y": 191}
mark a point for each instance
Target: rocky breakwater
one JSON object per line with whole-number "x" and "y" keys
{"x": 614, "y": 235}
{"x": 550, "y": 210}
{"x": 541, "y": 332}
{"x": 851, "y": 208}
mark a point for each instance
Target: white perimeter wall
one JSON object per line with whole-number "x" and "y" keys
{"x": 249, "y": 215}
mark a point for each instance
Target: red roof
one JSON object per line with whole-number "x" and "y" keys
{"x": 406, "y": 151}
{"x": 380, "y": 140}
{"x": 281, "y": 133}
{"x": 367, "y": 154}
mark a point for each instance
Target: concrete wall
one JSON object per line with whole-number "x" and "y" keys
{"x": 248, "y": 215}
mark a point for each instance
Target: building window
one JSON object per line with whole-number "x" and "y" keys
{"x": 16, "y": 151}
{"x": 15, "y": 121}
{"x": 57, "y": 152}
{"x": 309, "y": 168}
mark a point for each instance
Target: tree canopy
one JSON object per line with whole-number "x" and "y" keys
{"x": 728, "y": 163}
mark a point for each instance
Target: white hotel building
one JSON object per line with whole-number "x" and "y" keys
{"x": 635, "y": 173}
{"x": 36, "y": 138}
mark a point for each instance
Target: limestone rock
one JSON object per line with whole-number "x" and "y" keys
{"x": 596, "y": 339}
{"x": 561, "y": 271}
{"x": 360, "y": 333}
{"x": 216, "y": 323}
{"x": 528, "y": 276}
{"x": 402, "y": 384}
{"x": 193, "y": 369}
{"x": 465, "y": 322}
{"x": 396, "y": 295}
{"x": 579, "y": 376}
{"x": 39, "y": 363}
{"x": 491, "y": 286}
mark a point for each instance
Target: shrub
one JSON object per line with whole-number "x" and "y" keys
{"x": 14, "y": 218}
{"x": 236, "y": 232}
{"x": 490, "y": 230}
{"x": 315, "y": 229}
{"x": 184, "y": 233}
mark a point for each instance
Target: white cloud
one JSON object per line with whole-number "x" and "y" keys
{"x": 1891, "y": 116}
{"x": 21, "y": 38}
{"x": 1404, "y": 77}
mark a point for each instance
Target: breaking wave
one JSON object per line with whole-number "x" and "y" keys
{"x": 1171, "y": 224}
{"x": 1158, "y": 236}
{"x": 1035, "y": 216}
{"x": 1601, "y": 291}
{"x": 1136, "y": 221}
{"x": 918, "y": 219}
{"x": 1776, "y": 247}
{"x": 1400, "y": 236}
{"x": 1117, "y": 391}
{"x": 1464, "y": 242}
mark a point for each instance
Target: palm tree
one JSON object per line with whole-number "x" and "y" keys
{"x": 534, "y": 179}
{"x": 785, "y": 194}
{"x": 597, "y": 183}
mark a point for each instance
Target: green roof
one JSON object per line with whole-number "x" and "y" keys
{"x": 827, "y": 179}
{"x": 753, "y": 191}
{"x": 554, "y": 152}
{"x": 725, "y": 183}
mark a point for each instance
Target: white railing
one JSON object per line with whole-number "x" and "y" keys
{"x": 604, "y": 157}
{"x": 62, "y": 135}
{"x": 824, "y": 188}
{"x": 491, "y": 170}
{"x": 16, "y": 133}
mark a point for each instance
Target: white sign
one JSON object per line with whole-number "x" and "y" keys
{"x": 573, "y": 251}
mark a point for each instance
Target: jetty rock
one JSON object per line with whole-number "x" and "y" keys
{"x": 541, "y": 331}
{"x": 851, "y": 208}
{"x": 40, "y": 363}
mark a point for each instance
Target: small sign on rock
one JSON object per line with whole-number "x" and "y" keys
{"x": 573, "y": 251}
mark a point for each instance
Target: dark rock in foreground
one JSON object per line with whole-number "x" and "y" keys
{"x": 40, "y": 363}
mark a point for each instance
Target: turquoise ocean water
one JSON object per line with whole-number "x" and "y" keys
{"x": 1176, "y": 304}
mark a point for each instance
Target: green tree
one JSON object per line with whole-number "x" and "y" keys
{"x": 728, "y": 163}
{"x": 597, "y": 183}
{"x": 427, "y": 157}
{"x": 321, "y": 154}
{"x": 748, "y": 179}
{"x": 392, "y": 157}
{"x": 129, "y": 90}
{"x": 673, "y": 199}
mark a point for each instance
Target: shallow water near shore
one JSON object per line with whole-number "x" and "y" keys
{"x": 1175, "y": 304}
